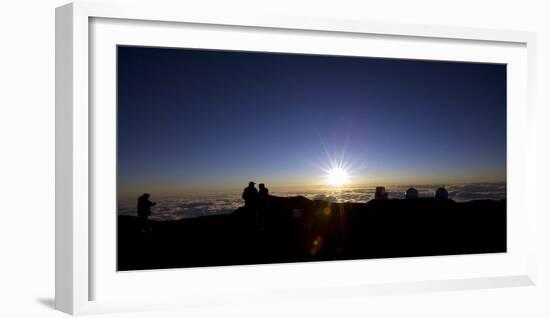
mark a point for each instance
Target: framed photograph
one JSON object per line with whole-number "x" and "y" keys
{"x": 224, "y": 159}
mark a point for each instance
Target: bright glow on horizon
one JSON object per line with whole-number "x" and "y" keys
{"x": 337, "y": 177}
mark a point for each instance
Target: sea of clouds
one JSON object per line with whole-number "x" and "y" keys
{"x": 188, "y": 206}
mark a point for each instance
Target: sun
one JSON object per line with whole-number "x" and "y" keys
{"x": 337, "y": 177}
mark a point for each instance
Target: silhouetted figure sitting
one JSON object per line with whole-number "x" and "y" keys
{"x": 441, "y": 194}
{"x": 250, "y": 196}
{"x": 411, "y": 193}
{"x": 144, "y": 210}
{"x": 380, "y": 193}
{"x": 263, "y": 197}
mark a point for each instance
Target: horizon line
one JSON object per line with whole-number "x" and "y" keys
{"x": 305, "y": 187}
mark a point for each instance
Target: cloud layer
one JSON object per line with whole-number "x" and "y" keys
{"x": 173, "y": 208}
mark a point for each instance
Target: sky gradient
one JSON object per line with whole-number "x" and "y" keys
{"x": 202, "y": 120}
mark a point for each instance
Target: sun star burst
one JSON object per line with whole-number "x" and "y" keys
{"x": 337, "y": 177}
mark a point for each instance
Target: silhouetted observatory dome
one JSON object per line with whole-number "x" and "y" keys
{"x": 380, "y": 193}
{"x": 411, "y": 193}
{"x": 441, "y": 193}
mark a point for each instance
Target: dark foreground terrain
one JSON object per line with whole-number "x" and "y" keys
{"x": 297, "y": 229}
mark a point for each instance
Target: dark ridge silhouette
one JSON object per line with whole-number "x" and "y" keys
{"x": 296, "y": 229}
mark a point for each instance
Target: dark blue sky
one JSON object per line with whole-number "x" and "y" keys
{"x": 208, "y": 120}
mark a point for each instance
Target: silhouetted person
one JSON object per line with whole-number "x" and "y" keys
{"x": 144, "y": 210}
{"x": 264, "y": 192}
{"x": 250, "y": 196}
{"x": 263, "y": 201}
{"x": 441, "y": 194}
{"x": 380, "y": 193}
{"x": 411, "y": 193}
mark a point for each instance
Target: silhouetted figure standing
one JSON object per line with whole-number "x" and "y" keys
{"x": 250, "y": 196}
{"x": 264, "y": 192}
{"x": 263, "y": 197}
{"x": 144, "y": 210}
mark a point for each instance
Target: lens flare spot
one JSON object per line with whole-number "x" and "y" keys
{"x": 316, "y": 245}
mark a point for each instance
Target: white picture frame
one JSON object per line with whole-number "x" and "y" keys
{"x": 76, "y": 247}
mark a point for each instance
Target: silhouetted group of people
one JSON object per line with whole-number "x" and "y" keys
{"x": 256, "y": 201}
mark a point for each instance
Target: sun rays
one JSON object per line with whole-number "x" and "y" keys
{"x": 337, "y": 177}
{"x": 338, "y": 170}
